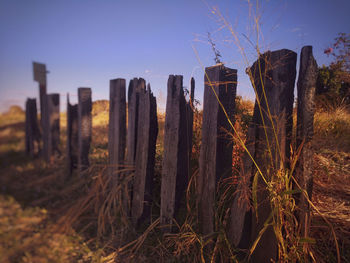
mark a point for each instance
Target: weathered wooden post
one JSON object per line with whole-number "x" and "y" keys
{"x": 84, "y": 127}
{"x": 145, "y": 156}
{"x": 32, "y": 128}
{"x": 189, "y": 114}
{"x": 305, "y": 119}
{"x": 72, "y": 136}
{"x": 273, "y": 76}
{"x": 175, "y": 169}
{"x": 135, "y": 86}
{"x": 39, "y": 73}
{"x": 215, "y": 160}
{"x": 117, "y": 126}
{"x": 240, "y": 221}
{"x": 54, "y": 115}
{"x": 51, "y": 128}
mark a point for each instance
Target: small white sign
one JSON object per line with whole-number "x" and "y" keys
{"x": 39, "y": 71}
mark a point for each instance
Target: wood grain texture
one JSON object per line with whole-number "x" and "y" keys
{"x": 51, "y": 128}
{"x": 215, "y": 162}
{"x": 145, "y": 157}
{"x": 306, "y": 87}
{"x": 117, "y": 126}
{"x": 274, "y": 78}
{"x": 175, "y": 167}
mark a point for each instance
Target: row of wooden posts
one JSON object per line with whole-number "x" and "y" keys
{"x": 134, "y": 145}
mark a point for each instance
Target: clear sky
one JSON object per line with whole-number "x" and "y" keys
{"x": 86, "y": 43}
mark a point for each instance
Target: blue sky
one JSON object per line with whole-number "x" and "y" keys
{"x": 86, "y": 43}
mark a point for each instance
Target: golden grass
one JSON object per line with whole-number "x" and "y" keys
{"x": 86, "y": 205}
{"x": 333, "y": 123}
{"x": 26, "y": 236}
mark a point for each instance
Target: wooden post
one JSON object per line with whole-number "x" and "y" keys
{"x": 45, "y": 121}
{"x": 32, "y": 128}
{"x": 117, "y": 126}
{"x": 189, "y": 114}
{"x": 39, "y": 74}
{"x": 145, "y": 157}
{"x": 51, "y": 129}
{"x": 175, "y": 169}
{"x": 305, "y": 119}
{"x": 274, "y": 77}
{"x": 54, "y": 113}
{"x": 240, "y": 221}
{"x": 215, "y": 162}
{"x": 84, "y": 127}
{"x": 72, "y": 136}
{"x": 135, "y": 86}
{"x": 42, "y": 94}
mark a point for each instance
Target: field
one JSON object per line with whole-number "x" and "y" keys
{"x": 46, "y": 216}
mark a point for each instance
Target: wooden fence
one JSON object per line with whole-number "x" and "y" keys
{"x": 134, "y": 145}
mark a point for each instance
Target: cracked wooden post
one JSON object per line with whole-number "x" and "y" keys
{"x": 135, "y": 86}
{"x": 32, "y": 129}
{"x": 175, "y": 168}
{"x": 215, "y": 162}
{"x": 84, "y": 127}
{"x": 189, "y": 114}
{"x": 305, "y": 118}
{"x": 51, "y": 129}
{"x": 145, "y": 157}
{"x": 117, "y": 127}
{"x": 72, "y": 136}
{"x": 274, "y": 76}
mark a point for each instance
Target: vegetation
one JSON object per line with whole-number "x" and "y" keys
{"x": 334, "y": 80}
{"x": 53, "y": 219}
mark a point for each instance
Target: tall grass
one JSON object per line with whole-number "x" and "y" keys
{"x": 278, "y": 178}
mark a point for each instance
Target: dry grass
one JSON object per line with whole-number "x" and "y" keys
{"x": 90, "y": 205}
{"x": 26, "y": 236}
{"x": 331, "y": 193}
{"x": 332, "y": 127}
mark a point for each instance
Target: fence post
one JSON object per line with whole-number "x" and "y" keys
{"x": 42, "y": 94}
{"x": 240, "y": 221}
{"x": 32, "y": 128}
{"x": 39, "y": 74}
{"x": 305, "y": 118}
{"x": 51, "y": 129}
{"x": 84, "y": 127}
{"x": 117, "y": 126}
{"x": 189, "y": 113}
{"x": 54, "y": 111}
{"x": 145, "y": 156}
{"x": 175, "y": 168}
{"x": 72, "y": 136}
{"x": 215, "y": 162}
{"x": 135, "y": 86}
{"x": 273, "y": 77}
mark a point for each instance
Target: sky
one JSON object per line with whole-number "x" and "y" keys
{"x": 86, "y": 43}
